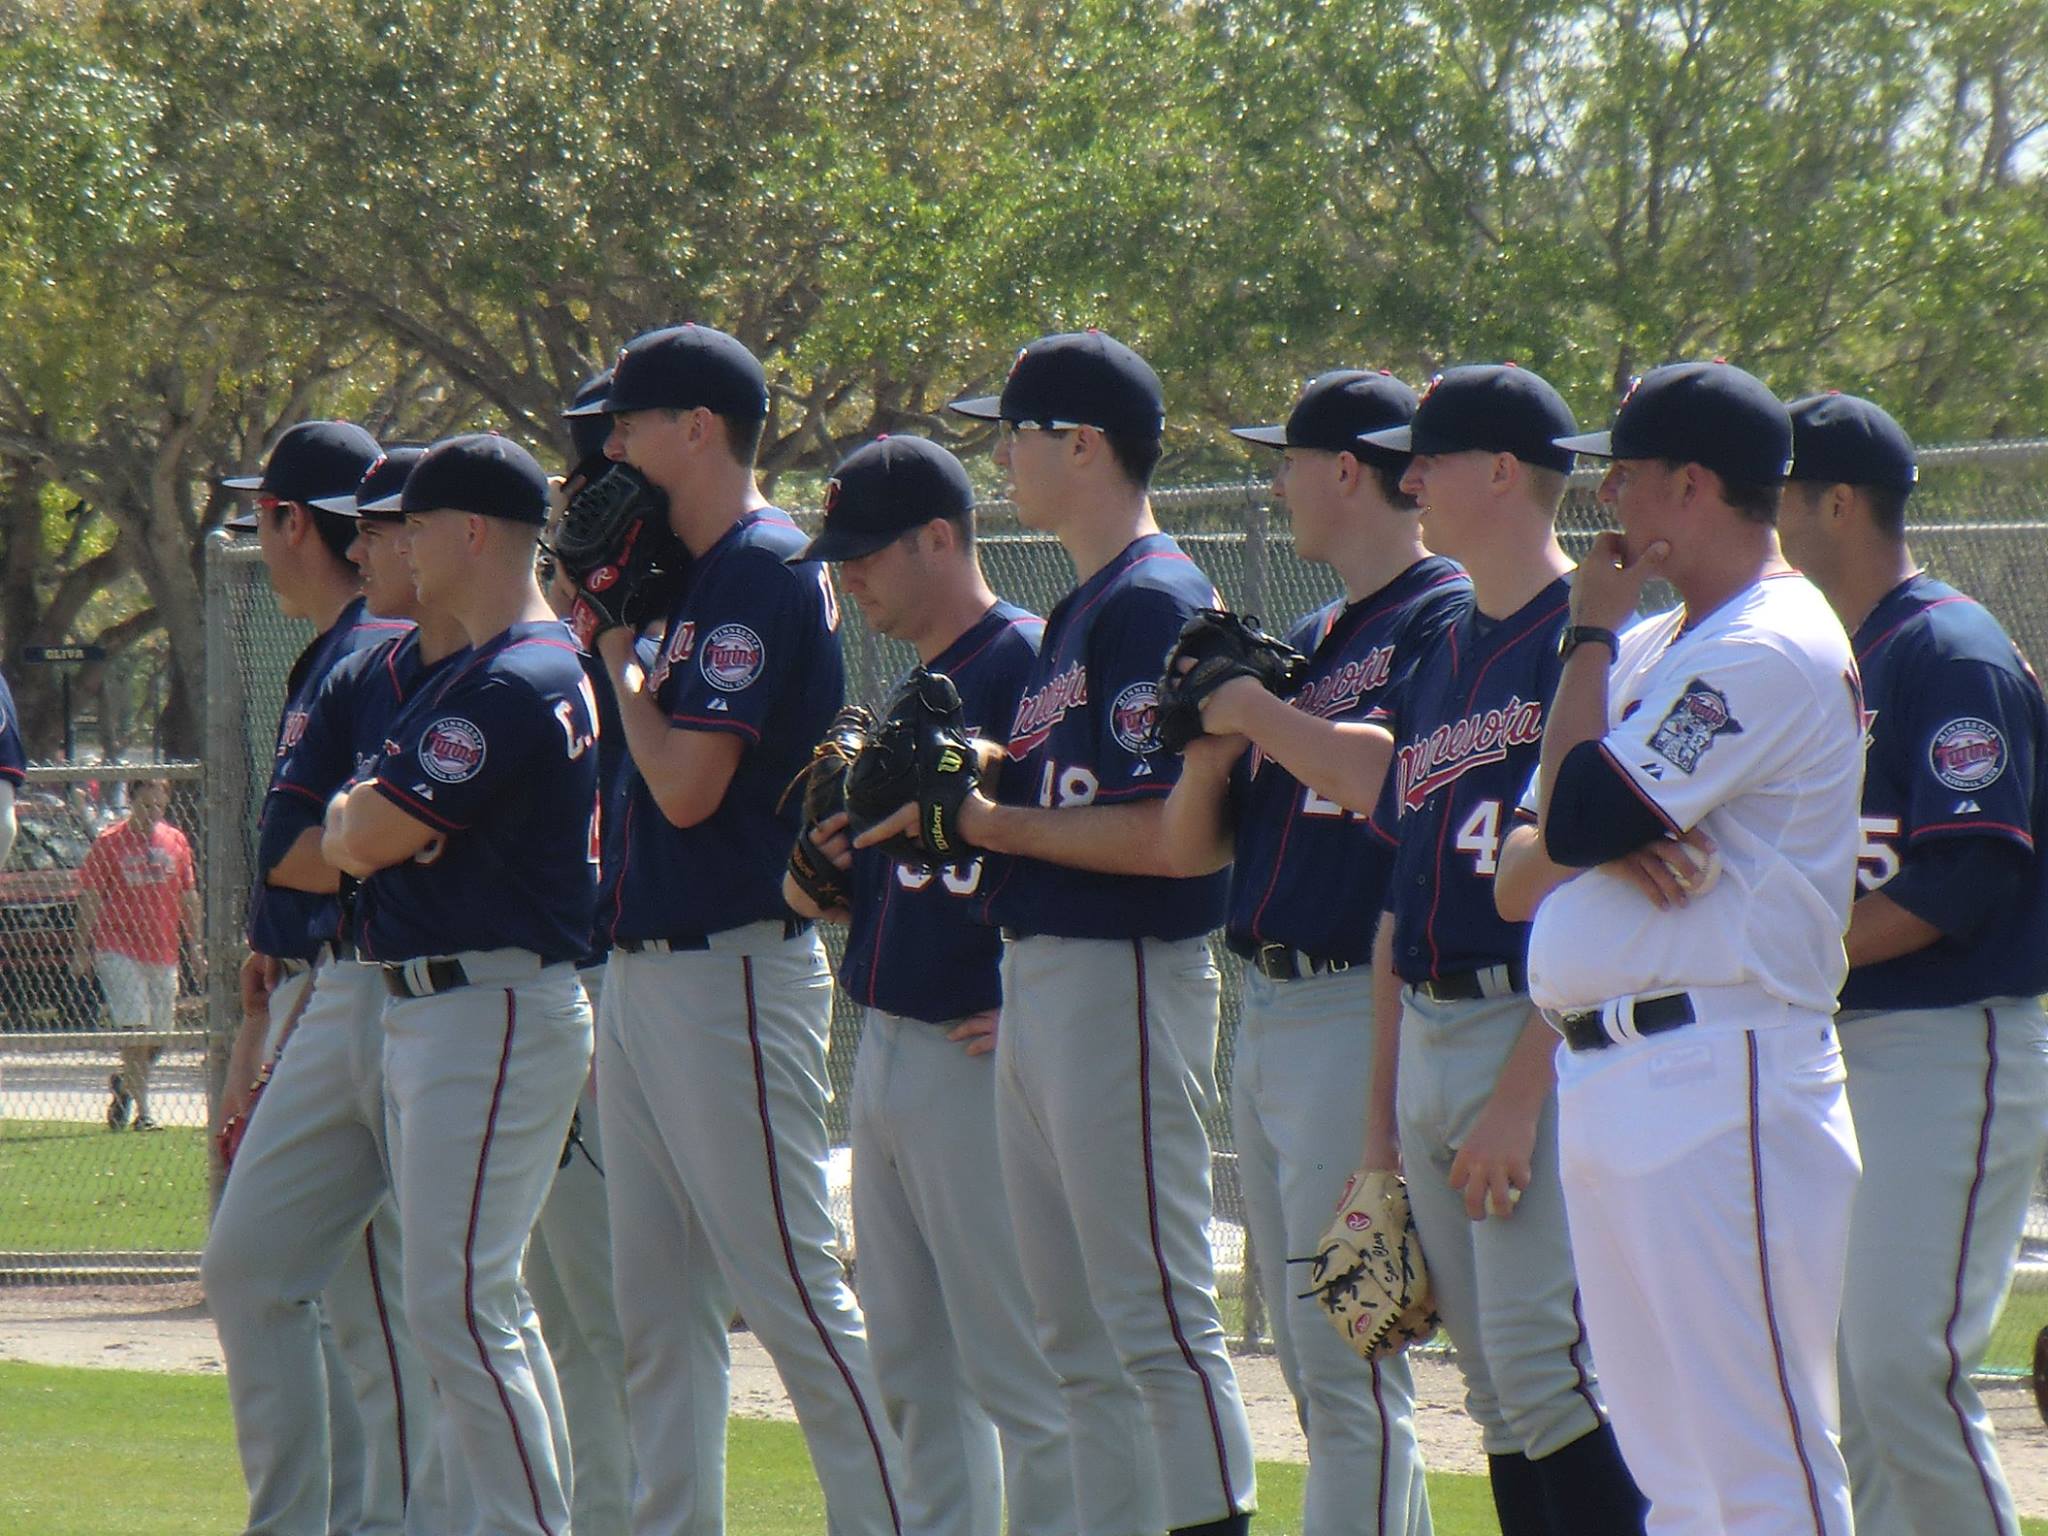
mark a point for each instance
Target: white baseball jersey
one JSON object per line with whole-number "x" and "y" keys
{"x": 1750, "y": 724}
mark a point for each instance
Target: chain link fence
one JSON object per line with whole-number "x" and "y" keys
{"x": 1981, "y": 517}
{"x": 103, "y": 1024}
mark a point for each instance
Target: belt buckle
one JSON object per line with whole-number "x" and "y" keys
{"x": 1275, "y": 962}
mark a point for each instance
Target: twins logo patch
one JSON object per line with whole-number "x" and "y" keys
{"x": 452, "y": 750}
{"x": 293, "y": 731}
{"x": 1700, "y": 715}
{"x": 732, "y": 657}
{"x": 1133, "y": 719}
{"x": 1967, "y": 754}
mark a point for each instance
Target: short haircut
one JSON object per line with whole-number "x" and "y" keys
{"x": 1390, "y": 479}
{"x": 136, "y": 786}
{"x": 1756, "y": 500}
{"x": 1887, "y": 508}
{"x": 963, "y": 527}
{"x": 743, "y": 437}
{"x": 335, "y": 531}
{"x": 1546, "y": 485}
{"x": 1137, "y": 457}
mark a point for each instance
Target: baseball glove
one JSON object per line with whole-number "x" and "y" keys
{"x": 1369, "y": 1274}
{"x": 920, "y": 752}
{"x": 228, "y": 1140}
{"x": 615, "y": 545}
{"x": 1222, "y": 645}
{"x": 824, "y": 787}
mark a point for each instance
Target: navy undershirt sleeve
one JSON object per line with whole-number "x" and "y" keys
{"x": 1596, "y": 811}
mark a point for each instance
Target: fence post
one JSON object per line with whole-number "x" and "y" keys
{"x": 1255, "y": 555}
{"x": 226, "y": 798}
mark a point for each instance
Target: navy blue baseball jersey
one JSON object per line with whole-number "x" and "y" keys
{"x": 916, "y": 946}
{"x": 1468, "y": 731}
{"x": 1081, "y": 733}
{"x": 498, "y": 755}
{"x": 13, "y": 757}
{"x": 1309, "y": 874}
{"x": 751, "y": 648}
{"x": 1956, "y": 729}
{"x": 287, "y": 923}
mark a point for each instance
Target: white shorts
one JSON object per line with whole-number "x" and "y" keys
{"x": 139, "y": 996}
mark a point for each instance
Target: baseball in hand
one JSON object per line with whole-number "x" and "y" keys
{"x": 1695, "y": 869}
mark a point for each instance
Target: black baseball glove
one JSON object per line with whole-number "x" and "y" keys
{"x": 920, "y": 752}
{"x": 1222, "y": 645}
{"x": 824, "y": 787}
{"x": 616, "y": 547}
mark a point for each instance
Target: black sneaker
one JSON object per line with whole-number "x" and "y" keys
{"x": 146, "y": 1123}
{"x": 121, "y": 1108}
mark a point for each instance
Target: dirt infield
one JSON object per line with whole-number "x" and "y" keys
{"x": 166, "y": 1328}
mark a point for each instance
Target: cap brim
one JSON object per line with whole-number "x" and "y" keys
{"x": 242, "y": 522}
{"x": 342, "y": 506}
{"x": 1595, "y": 445}
{"x": 1268, "y": 437}
{"x": 602, "y": 407}
{"x": 981, "y": 407}
{"x": 837, "y": 544}
{"x": 242, "y": 482}
{"x": 1401, "y": 439}
{"x": 390, "y": 505}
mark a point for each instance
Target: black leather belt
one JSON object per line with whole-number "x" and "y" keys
{"x": 691, "y": 943}
{"x": 1279, "y": 962}
{"x": 1587, "y": 1030}
{"x": 1471, "y": 986}
{"x": 423, "y": 978}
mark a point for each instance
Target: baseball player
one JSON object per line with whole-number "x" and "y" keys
{"x": 473, "y": 832}
{"x": 296, "y": 1456}
{"x": 1308, "y": 880}
{"x": 569, "y": 1262}
{"x": 13, "y": 768}
{"x": 1704, "y": 1136}
{"x": 136, "y": 892}
{"x": 1106, "y": 1060}
{"x": 967, "y": 1389}
{"x": 1462, "y": 1062}
{"x": 1941, "y": 1027}
{"x": 711, "y": 1061}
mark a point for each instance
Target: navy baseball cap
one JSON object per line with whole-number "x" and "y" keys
{"x": 588, "y": 430}
{"x": 1335, "y": 412}
{"x": 1840, "y": 439}
{"x": 1488, "y": 408}
{"x": 383, "y": 479}
{"x": 483, "y": 473}
{"x": 1699, "y": 413}
{"x": 680, "y": 368}
{"x": 314, "y": 459}
{"x": 1077, "y": 379}
{"x": 881, "y": 491}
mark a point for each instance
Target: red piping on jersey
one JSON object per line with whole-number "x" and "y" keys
{"x": 391, "y": 1357}
{"x": 476, "y": 1202}
{"x": 994, "y": 635}
{"x": 1180, "y": 1337}
{"x": 1763, "y": 1264}
{"x": 1948, "y": 1333}
{"x": 2019, "y": 835}
{"x": 1108, "y": 586}
{"x": 1273, "y": 883}
{"x": 625, "y": 864}
{"x": 1939, "y": 602}
{"x": 796, "y": 1278}
{"x": 285, "y": 786}
{"x": 1471, "y": 699}
{"x": 1640, "y": 793}
{"x": 717, "y": 723}
{"x": 419, "y": 810}
{"x": 881, "y": 922}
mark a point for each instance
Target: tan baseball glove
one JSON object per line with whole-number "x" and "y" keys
{"x": 1368, "y": 1274}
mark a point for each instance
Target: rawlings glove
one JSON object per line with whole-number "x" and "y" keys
{"x": 920, "y": 752}
{"x": 1369, "y": 1274}
{"x": 228, "y": 1140}
{"x": 1222, "y": 646}
{"x": 824, "y": 786}
{"x": 615, "y": 545}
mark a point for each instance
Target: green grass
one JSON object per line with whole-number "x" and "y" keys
{"x": 2012, "y": 1341}
{"x": 91, "y": 1451}
{"x": 69, "y": 1188}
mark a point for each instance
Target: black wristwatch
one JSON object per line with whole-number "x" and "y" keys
{"x": 1577, "y": 635}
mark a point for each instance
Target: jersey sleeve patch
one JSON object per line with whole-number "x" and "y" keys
{"x": 453, "y": 749}
{"x": 732, "y": 658}
{"x": 1696, "y": 720}
{"x": 1134, "y": 719}
{"x": 1968, "y": 754}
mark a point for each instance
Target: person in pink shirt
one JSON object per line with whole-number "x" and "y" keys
{"x": 137, "y": 889}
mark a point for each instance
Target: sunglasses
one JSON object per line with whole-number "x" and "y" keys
{"x": 1010, "y": 431}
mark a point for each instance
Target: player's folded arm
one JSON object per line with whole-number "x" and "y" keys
{"x": 1957, "y": 884}
{"x": 1597, "y": 811}
{"x": 376, "y": 824}
{"x": 688, "y": 768}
